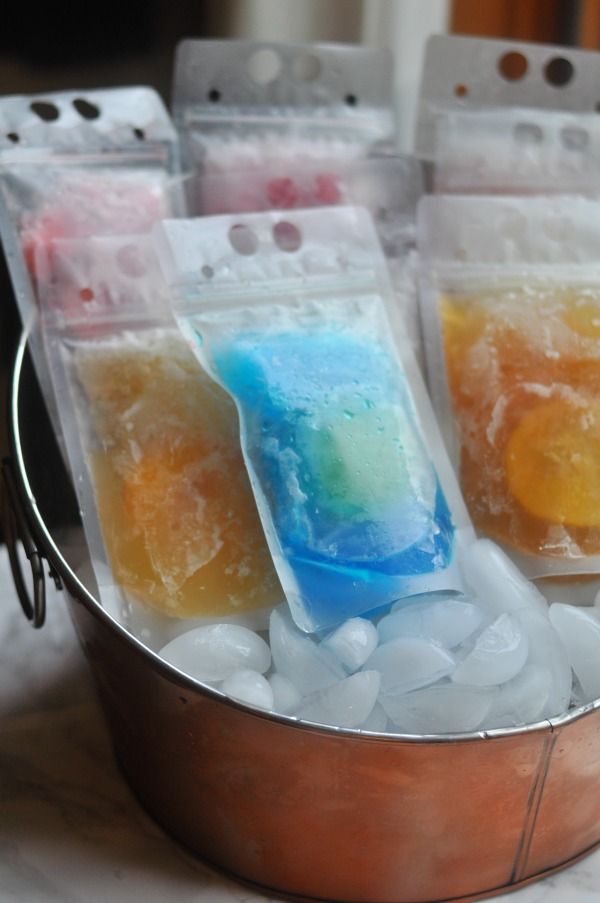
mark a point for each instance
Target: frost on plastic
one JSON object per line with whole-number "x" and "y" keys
{"x": 244, "y": 109}
{"x": 464, "y": 74}
{"x": 512, "y": 311}
{"x": 503, "y": 116}
{"x": 152, "y": 440}
{"x": 290, "y": 317}
{"x": 77, "y": 164}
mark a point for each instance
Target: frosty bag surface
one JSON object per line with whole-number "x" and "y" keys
{"x": 389, "y": 187}
{"x": 243, "y": 108}
{"x": 153, "y": 442}
{"x": 339, "y": 440}
{"x": 75, "y": 164}
{"x": 512, "y": 311}
{"x": 467, "y": 74}
{"x": 516, "y": 151}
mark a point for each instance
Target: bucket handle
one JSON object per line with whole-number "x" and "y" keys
{"x": 16, "y": 527}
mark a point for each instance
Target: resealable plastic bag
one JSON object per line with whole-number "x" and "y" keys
{"x": 504, "y": 117}
{"x": 242, "y": 107}
{"x": 152, "y": 443}
{"x": 389, "y": 187}
{"x": 517, "y": 151}
{"x": 294, "y": 317}
{"x": 75, "y": 164}
{"x": 466, "y": 74}
{"x": 511, "y": 313}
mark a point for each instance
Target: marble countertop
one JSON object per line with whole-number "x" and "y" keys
{"x": 70, "y": 830}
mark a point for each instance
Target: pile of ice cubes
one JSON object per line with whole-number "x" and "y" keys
{"x": 496, "y": 657}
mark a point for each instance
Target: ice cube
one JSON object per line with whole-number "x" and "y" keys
{"x": 347, "y": 703}
{"x": 579, "y": 630}
{"x": 497, "y": 583}
{"x": 377, "y": 720}
{"x": 499, "y": 653}
{"x": 522, "y": 700}
{"x": 286, "y": 698}
{"x": 442, "y": 709}
{"x": 249, "y": 686}
{"x": 408, "y": 663}
{"x": 353, "y": 642}
{"x": 447, "y": 621}
{"x": 215, "y": 651}
{"x": 308, "y": 666}
{"x": 547, "y": 651}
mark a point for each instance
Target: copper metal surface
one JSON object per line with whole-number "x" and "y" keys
{"x": 325, "y": 814}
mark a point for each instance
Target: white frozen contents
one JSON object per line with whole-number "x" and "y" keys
{"x": 445, "y": 620}
{"x": 377, "y": 721}
{"x": 499, "y": 653}
{"x": 522, "y": 700}
{"x": 441, "y": 709}
{"x": 408, "y": 663}
{"x": 546, "y": 651}
{"x": 250, "y": 687}
{"x": 214, "y": 652}
{"x": 308, "y": 666}
{"x": 345, "y": 704}
{"x": 440, "y": 663}
{"x": 286, "y": 698}
{"x": 579, "y": 630}
{"x": 353, "y": 642}
{"x": 496, "y": 582}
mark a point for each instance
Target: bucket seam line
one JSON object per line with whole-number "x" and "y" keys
{"x": 533, "y": 806}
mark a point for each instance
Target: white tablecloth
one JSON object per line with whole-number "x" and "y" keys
{"x": 70, "y": 830}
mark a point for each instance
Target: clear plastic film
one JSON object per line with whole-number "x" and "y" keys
{"x": 505, "y": 117}
{"x": 517, "y": 151}
{"x": 389, "y": 187}
{"x": 243, "y": 107}
{"x": 76, "y": 164}
{"x": 467, "y": 74}
{"x": 153, "y": 445}
{"x": 293, "y": 316}
{"x": 511, "y": 313}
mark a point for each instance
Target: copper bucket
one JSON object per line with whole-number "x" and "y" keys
{"x": 309, "y": 812}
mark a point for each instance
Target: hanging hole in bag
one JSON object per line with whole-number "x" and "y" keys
{"x": 351, "y": 100}
{"x": 306, "y": 67}
{"x": 243, "y": 240}
{"x": 574, "y": 138}
{"x": 287, "y": 236}
{"x": 86, "y": 295}
{"x": 207, "y": 271}
{"x": 461, "y": 90}
{"x": 513, "y": 66}
{"x": 528, "y": 133}
{"x": 130, "y": 261}
{"x": 13, "y": 137}
{"x": 140, "y": 134}
{"x": 214, "y": 95}
{"x": 559, "y": 71}
{"x": 86, "y": 109}
{"x": 48, "y": 112}
{"x": 264, "y": 66}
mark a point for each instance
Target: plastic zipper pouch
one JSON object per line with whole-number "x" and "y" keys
{"x": 243, "y": 107}
{"x": 511, "y": 310}
{"x": 470, "y": 74}
{"x": 387, "y": 186}
{"x": 76, "y": 164}
{"x": 517, "y": 151}
{"x": 294, "y": 318}
{"x": 152, "y": 441}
